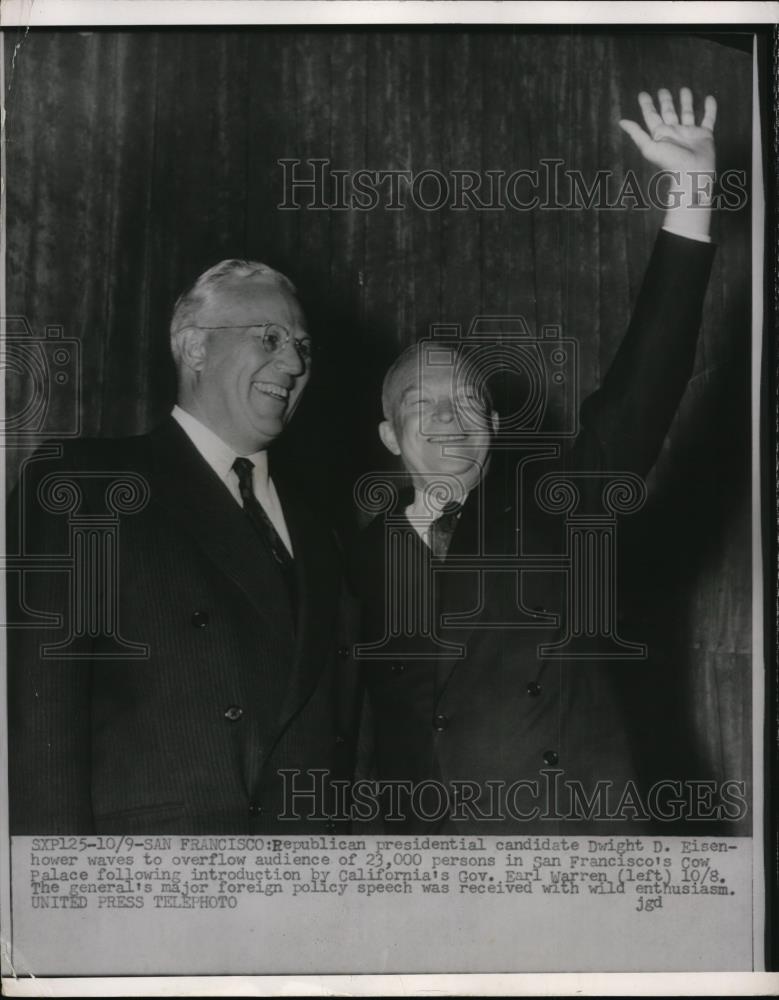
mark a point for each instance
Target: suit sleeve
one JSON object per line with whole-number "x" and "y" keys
{"x": 624, "y": 423}
{"x": 48, "y": 697}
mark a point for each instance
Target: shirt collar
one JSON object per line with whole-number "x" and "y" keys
{"x": 219, "y": 455}
{"x": 428, "y": 505}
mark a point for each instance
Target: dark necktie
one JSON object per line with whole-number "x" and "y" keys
{"x": 442, "y": 529}
{"x": 244, "y": 469}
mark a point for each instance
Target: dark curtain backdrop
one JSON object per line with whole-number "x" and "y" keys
{"x": 135, "y": 159}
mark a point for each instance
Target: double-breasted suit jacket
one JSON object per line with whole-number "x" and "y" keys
{"x": 199, "y": 682}
{"x": 506, "y": 711}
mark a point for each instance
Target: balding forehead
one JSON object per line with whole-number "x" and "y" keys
{"x": 412, "y": 372}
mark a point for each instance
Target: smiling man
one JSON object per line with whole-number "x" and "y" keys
{"x": 439, "y": 422}
{"x": 215, "y": 665}
{"x": 479, "y": 723}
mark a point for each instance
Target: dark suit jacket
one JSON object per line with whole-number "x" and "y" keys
{"x": 190, "y": 736}
{"x": 502, "y": 712}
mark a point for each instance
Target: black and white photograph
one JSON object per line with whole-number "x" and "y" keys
{"x": 384, "y": 528}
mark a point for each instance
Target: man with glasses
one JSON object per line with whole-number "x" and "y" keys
{"x": 218, "y": 668}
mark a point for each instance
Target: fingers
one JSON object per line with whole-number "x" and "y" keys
{"x": 655, "y": 122}
{"x": 667, "y": 109}
{"x": 637, "y": 134}
{"x": 651, "y": 117}
{"x": 685, "y": 106}
{"x": 709, "y": 113}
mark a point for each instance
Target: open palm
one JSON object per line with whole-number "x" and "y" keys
{"x": 674, "y": 142}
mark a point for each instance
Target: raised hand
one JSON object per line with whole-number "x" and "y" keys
{"x": 671, "y": 143}
{"x": 675, "y": 144}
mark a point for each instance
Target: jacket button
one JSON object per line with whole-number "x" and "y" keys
{"x": 339, "y": 741}
{"x": 398, "y": 668}
{"x": 343, "y": 652}
{"x": 534, "y": 689}
{"x": 440, "y": 723}
{"x": 255, "y": 809}
{"x": 551, "y": 757}
{"x": 330, "y": 826}
{"x": 200, "y": 619}
{"x": 233, "y": 713}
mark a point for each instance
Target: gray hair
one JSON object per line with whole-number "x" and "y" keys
{"x": 203, "y": 288}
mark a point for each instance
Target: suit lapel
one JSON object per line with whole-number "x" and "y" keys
{"x": 489, "y": 525}
{"x": 458, "y": 591}
{"x": 184, "y": 483}
{"x": 317, "y": 579}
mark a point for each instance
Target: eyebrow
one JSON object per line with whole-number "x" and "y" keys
{"x": 412, "y": 389}
{"x": 303, "y": 335}
{"x": 409, "y": 391}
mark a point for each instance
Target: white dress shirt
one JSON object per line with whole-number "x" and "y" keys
{"x": 220, "y": 457}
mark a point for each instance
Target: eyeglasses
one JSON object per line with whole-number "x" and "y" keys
{"x": 274, "y": 339}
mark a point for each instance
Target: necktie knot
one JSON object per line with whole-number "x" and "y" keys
{"x": 450, "y": 512}
{"x": 442, "y": 528}
{"x": 244, "y": 470}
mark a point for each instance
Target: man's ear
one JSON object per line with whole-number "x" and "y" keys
{"x": 192, "y": 343}
{"x": 494, "y": 421}
{"x": 388, "y": 438}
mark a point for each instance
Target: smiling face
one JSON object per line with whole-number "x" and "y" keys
{"x": 233, "y": 385}
{"x": 439, "y": 424}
